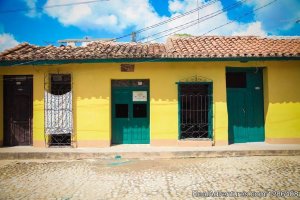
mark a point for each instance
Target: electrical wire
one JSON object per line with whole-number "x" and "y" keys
{"x": 50, "y": 6}
{"x": 241, "y": 16}
{"x": 171, "y": 19}
{"x": 204, "y": 18}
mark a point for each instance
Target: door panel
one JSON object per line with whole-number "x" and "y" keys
{"x": 140, "y": 122}
{"x": 133, "y": 126}
{"x": 237, "y": 120}
{"x": 120, "y": 114}
{"x": 245, "y": 106}
{"x": 255, "y": 106}
{"x": 17, "y": 110}
{"x": 20, "y": 122}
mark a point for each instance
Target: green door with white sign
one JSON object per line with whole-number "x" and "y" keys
{"x": 130, "y": 112}
{"x": 245, "y": 105}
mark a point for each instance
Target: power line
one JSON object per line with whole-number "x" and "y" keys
{"x": 204, "y": 18}
{"x": 198, "y": 11}
{"x": 241, "y": 16}
{"x": 179, "y": 16}
{"x": 50, "y": 6}
{"x": 171, "y": 19}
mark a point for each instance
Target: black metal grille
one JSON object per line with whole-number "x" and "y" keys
{"x": 195, "y": 102}
{"x": 57, "y": 130}
{"x": 60, "y": 83}
{"x": 60, "y": 140}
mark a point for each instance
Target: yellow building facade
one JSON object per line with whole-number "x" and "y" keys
{"x": 190, "y": 91}
{"x": 91, "y": 87}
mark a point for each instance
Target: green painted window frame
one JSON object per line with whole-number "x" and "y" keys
{"x": 210, "y": 106}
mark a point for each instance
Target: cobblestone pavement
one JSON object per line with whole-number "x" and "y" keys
{"x": 151, "y": 179}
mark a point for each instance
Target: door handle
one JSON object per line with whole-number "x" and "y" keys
{"x": 244, "y": 110}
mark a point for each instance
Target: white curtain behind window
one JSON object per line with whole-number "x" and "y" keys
{"x": 58, "y": 113}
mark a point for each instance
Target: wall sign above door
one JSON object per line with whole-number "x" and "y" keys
{"x": 127, "y": 67}
{"x": 139, "y": 95}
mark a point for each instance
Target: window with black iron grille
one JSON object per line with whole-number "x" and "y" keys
{"x": 58, "y": 110}
{"x": 60, "y": 84}
{"x": 195, "y": 110}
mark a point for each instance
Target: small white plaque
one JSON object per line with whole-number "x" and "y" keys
{"x": 139, "y": 95}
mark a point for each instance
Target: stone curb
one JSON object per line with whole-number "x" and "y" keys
{"x": 143, "y": 155}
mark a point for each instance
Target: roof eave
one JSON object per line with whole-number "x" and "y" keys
{"x": 140, "y": 60}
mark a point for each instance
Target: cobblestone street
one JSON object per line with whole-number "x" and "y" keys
{"x": 151, "y": 179}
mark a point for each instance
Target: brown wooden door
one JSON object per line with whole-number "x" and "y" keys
{"x": 18, "y": 110}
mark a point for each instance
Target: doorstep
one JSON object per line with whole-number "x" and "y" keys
{"x": 150, "y": 152}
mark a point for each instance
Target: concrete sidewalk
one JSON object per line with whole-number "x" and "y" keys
{"x": 149, "y": 152}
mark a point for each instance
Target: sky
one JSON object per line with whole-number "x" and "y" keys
{"x": 44, "y": 22}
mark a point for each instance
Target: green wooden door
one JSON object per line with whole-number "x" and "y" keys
{"x": 245, "y": 105}
{"x": 130, "y": 114}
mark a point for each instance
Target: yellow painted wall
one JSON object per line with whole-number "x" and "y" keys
{"x": 283, "y": 111}
{"x": 164, "y": 103}
{"x": 92, "y": 95}
{"x": 38, "y": 108}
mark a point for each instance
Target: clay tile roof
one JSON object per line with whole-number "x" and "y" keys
{"x": 175, "y": 47}
{"x": 95, "y": 50}
{"x": 234, "y": 46}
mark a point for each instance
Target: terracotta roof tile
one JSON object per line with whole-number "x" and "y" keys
{"x": 234, "y": 46}
{"x": 175, "y": 47}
